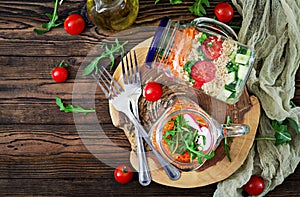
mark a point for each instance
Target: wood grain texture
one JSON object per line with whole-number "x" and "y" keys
{"x": 41, "y": 151}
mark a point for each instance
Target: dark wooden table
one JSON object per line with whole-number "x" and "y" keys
{"x": 41, "y": 152}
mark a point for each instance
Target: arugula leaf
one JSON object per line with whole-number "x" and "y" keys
{"x": 281, "y": 134}
{"x": 52, "y": 23}
{"x": 198, "y": 9}
{"x": 108, "y": 53}
{"x": 200, "y": 154}
{"x": 71, "y": 108}
{"x": 293, "y": 124}
{"x": 174, "y": 2}
{"x": 226, "y": 145}
{"x": 227, "y": 149}
{"x": 183, "y": 138}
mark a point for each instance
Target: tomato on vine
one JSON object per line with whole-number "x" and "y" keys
{"x": 60, "y": 73}
{"x": 74, "y": 24}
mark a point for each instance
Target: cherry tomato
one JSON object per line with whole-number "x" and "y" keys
{"x": 59, "y": 74}
{"x": 74, "y": 24}
{"x": 224, "y": 12}
{"x": 255, "y": 185}
{"x": 198, "y": 84}
{"x": 212, "y": 47}
{"x": 123, "y": 174}
{"x": 152, "y": 91}
{"x": 203, "y": 72}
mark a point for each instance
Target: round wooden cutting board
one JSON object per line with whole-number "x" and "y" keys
{"x": 246, "y": 110}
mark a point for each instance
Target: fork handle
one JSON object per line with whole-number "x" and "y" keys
{"x": 143, "y": 168}
{"x": 144, "y": 173}
{"x": 172, "y": 172}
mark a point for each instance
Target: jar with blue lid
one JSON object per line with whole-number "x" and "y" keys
{"x": 203, "y": 54}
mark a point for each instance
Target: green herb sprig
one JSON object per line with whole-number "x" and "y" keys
{"x": 108, "y": 53}
{"x": 226, "y": 144}
{"x": 71, "y": 109}
{"x": 52, "y": 23}
{"x": 197, "y": 8}
{"x": 183, "y": 138}
{"x": 282, "y": 135}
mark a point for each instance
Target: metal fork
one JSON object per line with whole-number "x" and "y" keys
{"x": 132, "y": 86}
{"x": 118, "y": 97}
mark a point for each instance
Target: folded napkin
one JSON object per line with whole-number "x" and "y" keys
{"x": 272, "y": 27}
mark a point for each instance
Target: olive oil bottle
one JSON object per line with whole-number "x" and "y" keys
{"x": 112, "y": 15}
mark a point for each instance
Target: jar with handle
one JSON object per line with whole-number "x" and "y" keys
{"x": 187, "y": 136}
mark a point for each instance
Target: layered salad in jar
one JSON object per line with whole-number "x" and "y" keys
{"x": 216, "y": 65}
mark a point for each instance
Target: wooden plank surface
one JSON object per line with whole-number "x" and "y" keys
{"x": 41, "y": 152}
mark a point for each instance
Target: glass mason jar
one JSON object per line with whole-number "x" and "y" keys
{"x": 187, "y": 136}
{"x": 203, "y": 54}
{"x": 112, "y": 15}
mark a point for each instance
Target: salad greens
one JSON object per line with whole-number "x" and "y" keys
{"x": 71, "y": 108}
{"x": 226, "y": 144}
{"x": 183, "y": 138}
{"x": 188, "y": 68}
{"x": 282, "y": 135}
{"x": 52, "y": 23}
{"x": 197, "y": 8}
{"x": 108, "y": 53}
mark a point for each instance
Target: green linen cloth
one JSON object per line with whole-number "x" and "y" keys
{"x": 272, "y": 27}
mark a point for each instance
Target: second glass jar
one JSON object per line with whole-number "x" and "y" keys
{"x": 202, "y": 54}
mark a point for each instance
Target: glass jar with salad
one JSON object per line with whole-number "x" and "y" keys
{"x": 202, "y": 54}
{"x": 187, "y": 136}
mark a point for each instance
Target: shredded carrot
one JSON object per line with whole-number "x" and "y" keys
{"x": 171, "y": 57}
{"x": 181, "y": 59}
{"x": 169, "y": 126}
{"x": 202, "y": 122}
{"x": 190, "y": 32}
{"x": 185, "y": 157}
{"x": 182, "y": 44}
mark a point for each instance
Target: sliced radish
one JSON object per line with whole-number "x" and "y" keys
{"x": 205, "y": 132}
{"x": 201, "y": 131}
{"x": 192, "y": 122}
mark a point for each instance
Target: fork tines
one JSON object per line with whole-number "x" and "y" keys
{"x": 131, "y": 74}
{"x": 110, "y": 87}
